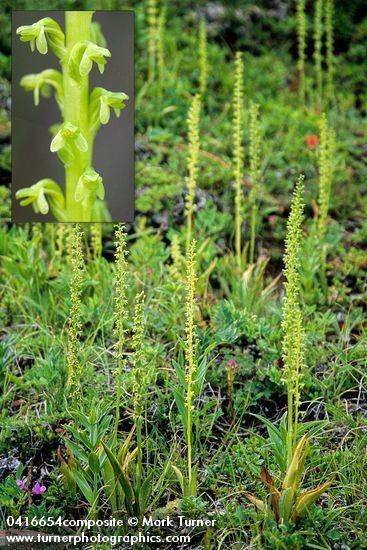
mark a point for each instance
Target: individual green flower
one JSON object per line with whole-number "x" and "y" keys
{"x": 45, "y": 32}
{"x": 66, "y": 140}
{"x": 83, "y": 55}
{"x": 89, "y": 185}
{"x": 101, "y": 101}
{"x": 110, "y": 100}
{"x": 43, "y": 195}
{"x": 41, "y": 84}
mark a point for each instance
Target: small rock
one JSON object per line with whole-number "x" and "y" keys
{"x": 8, "y": 465}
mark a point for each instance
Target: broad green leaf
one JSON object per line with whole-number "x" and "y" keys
{"x": 84, "y": 487}
{"x": 180, "y": 478}
{"x": 122, "y": 479}
{"x": 285, "y": 503}
{"x": 125, "y": 447}
{"x": 193, "y": 483}
{"x": 305, "y": 500}
{"x": 144, "y": 494}
{"x": 93, "y": 462}
{"x": 295, "y": 469}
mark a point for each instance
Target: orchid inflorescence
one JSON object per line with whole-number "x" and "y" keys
{"x": 78, "y": 49}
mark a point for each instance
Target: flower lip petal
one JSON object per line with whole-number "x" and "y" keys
{"x": 58, "y": 142}
{"x": 101, "y": 66}
{"x": 42, "y": 203}
{"x": 41, "y": 42}
{"x": 85, "y": 65}
{"x": 27, "y": 201}
{"x": 104, "y": 112}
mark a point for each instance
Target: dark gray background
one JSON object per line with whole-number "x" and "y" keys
{"x": 113, "y": 156}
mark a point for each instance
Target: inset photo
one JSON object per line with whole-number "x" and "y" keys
{"x": 73, "y": 116}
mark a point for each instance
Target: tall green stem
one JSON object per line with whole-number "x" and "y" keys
{"x": 188, "y": 437}
{"x": 295, "y": 414}
{"x": 290, "y": 427}
{"x": 139, "y": 476}
{"x": 77, "y": 24}
{"x": 253, "y": 232}
{"x": 318, "y": 47}
{"x": 302, "y": 31}
{"x": 118, "y": 388}
{"x": 329, "y": 14}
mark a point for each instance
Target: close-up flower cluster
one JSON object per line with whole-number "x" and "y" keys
{"x": 81, "y": 198}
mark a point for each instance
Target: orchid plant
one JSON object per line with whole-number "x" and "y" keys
{"x": 82, "y": 113}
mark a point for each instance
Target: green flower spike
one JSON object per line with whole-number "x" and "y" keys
{"x": 68, "y": 138}
{"x": 42, "y": 83}
{"x": 101, "y": 101}
{"x": 43, "y": 195}
{"x": 83, "y": 55}
{"x": 89, "y": 186}
{"x": 45, "y": 32}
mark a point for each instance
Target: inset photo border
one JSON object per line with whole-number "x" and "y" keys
{"x": 72, "y": 116}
